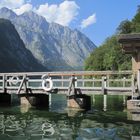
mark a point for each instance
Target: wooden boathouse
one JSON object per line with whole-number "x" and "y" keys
{"x": 131, "y": 45}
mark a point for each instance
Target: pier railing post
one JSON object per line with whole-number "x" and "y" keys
{"x": 104, "y": 92}
{"x": 83, "y": 83}
{"x": 71, "y": 86}
{"x": 75, "y": 82}
{"x": 25, "y": 83}
{"x": 4, "y": 83}
{"x": 124, "y": 84}
{"x": 62, "y": 83}
{"x": 133, "y": 85}
{"x": 107, "y": 80}
{"x": 21, "y": 84}
{"x": 104, "y": 85}
{"x": 124, "y": 79}
{"x": 93, "y": 84}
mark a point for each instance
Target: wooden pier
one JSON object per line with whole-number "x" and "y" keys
{"x": 35, "y": 88}
{"x": 88, "y": 82}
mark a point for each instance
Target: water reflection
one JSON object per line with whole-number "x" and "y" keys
{"x": 24, "y": 108}
{"x": 32, "y": 126}
{"x": 74, "y": 112}
{"x": 48, "y": 129}
{"x": 99, "y": 133}
{"x": 133, "y": 115}
{"x": 68, "y": 124}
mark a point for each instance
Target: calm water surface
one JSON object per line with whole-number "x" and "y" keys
{"x": 60, "y": 123}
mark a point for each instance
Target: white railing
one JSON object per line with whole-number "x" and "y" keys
{"x": 100, "y": 81}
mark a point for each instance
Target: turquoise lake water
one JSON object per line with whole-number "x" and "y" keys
{"x": 60, "y": 123}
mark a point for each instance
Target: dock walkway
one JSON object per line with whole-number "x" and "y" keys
{"x": 87, "y": 82}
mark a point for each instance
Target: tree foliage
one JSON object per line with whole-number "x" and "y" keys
{"x": 125, "y": 27}
{"x": 109, "y": 56}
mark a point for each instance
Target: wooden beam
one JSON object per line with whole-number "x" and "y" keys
{"x": 68, "y": 73}
{"x": 21, "y": 84}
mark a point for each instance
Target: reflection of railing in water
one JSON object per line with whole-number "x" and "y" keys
{"x": 86, "y": 81}
{"x": 47, "y": 129}
{"x": 11, "y": 127}
{"x": 17, "y": 126}
{"x": 31, "y": 127}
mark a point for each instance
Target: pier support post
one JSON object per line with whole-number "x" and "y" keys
{"x": 75, "y": 97}
{"x": 50, "y": 100}
{"x": 5, "y": 99}
{"x": 133, "y": 104}
{"x": 80, "y": 101}
{"x": 36, "y": 100}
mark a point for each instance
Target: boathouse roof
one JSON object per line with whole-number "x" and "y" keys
{"x": 130, "y": 43}
{"x": 128, "y": 38}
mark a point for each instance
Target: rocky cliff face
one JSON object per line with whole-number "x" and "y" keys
{"x": 54, "y": 46}
{"x": 13, "y": 54}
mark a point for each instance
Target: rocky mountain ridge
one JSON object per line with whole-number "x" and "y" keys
{"x": 54, "y": 46}
{"x": 13, "y": 54}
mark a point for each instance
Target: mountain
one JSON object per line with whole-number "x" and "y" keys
{"x": 54, "y": 46}
{"x": 13, "y": 54}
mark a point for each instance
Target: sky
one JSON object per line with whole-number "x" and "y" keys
{"x": 97, "y": 19}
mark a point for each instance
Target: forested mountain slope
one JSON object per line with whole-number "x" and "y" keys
{"x": 109, "y": 56}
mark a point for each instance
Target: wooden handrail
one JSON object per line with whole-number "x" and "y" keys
{"x": 68, "y": 73}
